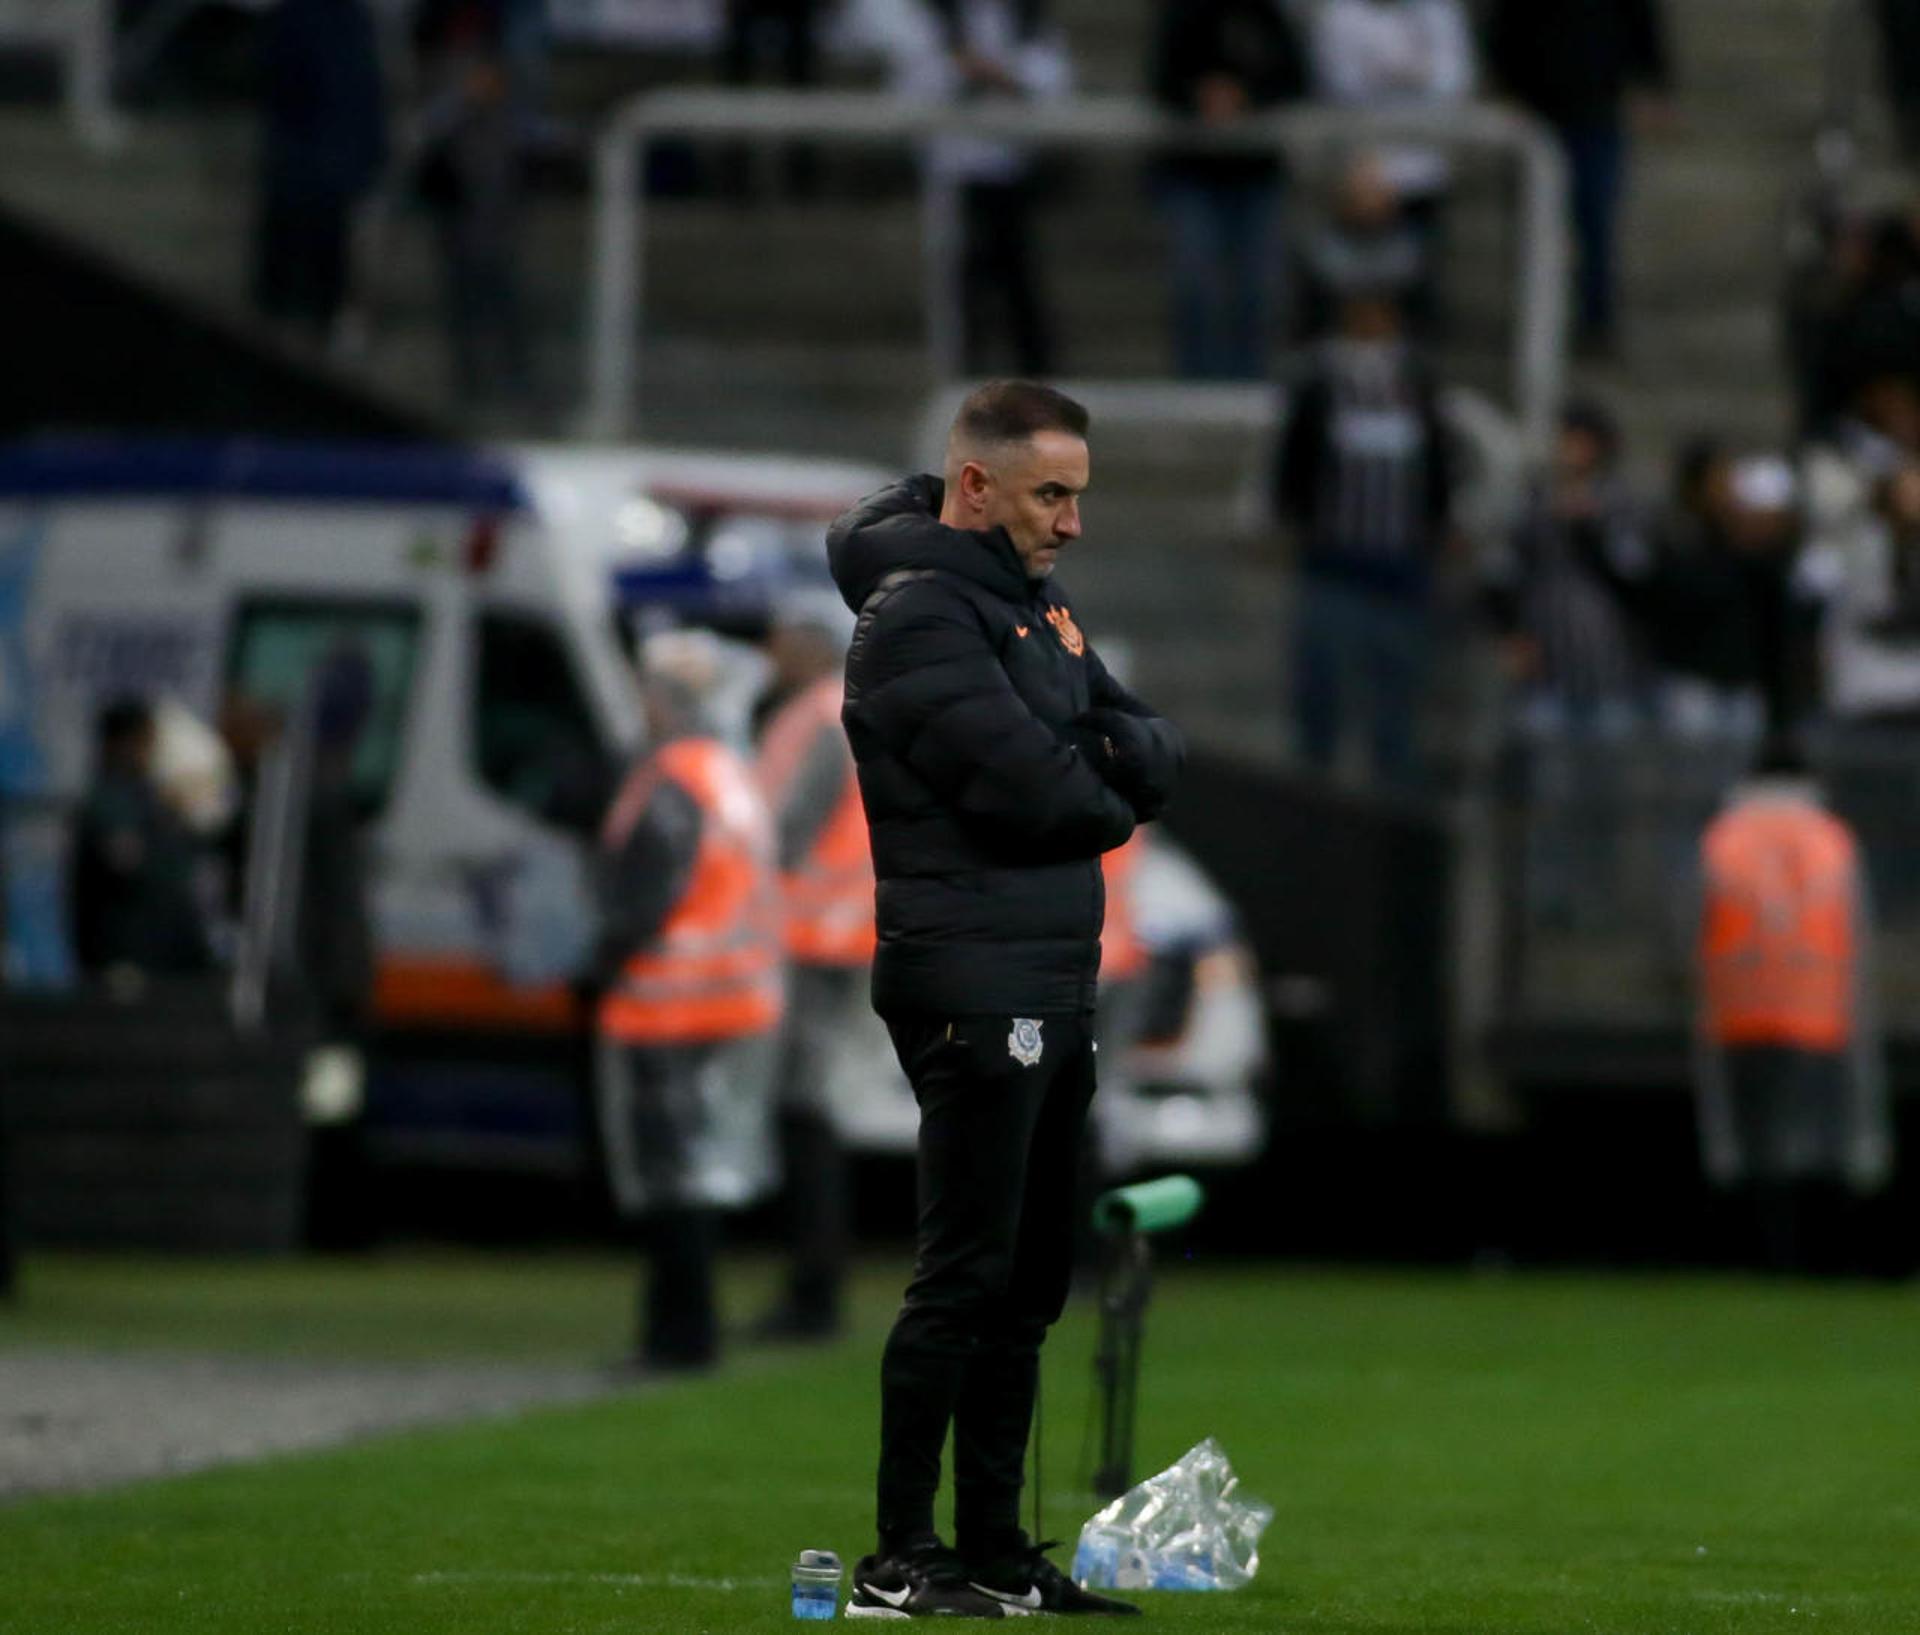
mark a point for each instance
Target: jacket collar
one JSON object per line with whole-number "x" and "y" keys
{"x": 900, "y": 528}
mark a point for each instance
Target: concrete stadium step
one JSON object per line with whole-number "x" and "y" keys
{"x": 729, "y": 292}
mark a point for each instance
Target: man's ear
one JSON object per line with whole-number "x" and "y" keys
{"x": 976, "y": 482}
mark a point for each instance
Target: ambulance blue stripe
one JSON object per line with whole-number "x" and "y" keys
{"x": 340, "y": 473}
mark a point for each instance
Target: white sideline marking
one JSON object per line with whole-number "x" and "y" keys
{"x": 627, "y": 1581}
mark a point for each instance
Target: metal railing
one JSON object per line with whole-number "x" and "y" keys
{"x": 1110, "y": 124}
{"x": 80, "y": 34}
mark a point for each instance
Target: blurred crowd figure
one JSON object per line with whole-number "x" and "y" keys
{"x": 1897, "y": 23}
{"x": 1250, "y": 247}
{"x": 134, "y": 897}
{"x": 1365, "y": 479}
{"x": 470, "y": 152}
{"x": 332, "y": 148}
{"x": 323, "y": 149}
{"x": 1388, "y": 56}
{"x": 1217, "y": 62}
{"x": 163, "y": 889}
{"x": 976, "y": 51}
{"x": 783, "y": 35}
{"x": 1355, "y": 234}
{"x": 1590, "y": 69}
{"x": 1852, "y": 312}
{"x": 1573, "y": 656}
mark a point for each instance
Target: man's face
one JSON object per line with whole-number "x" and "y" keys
{"x": 1033, "y": 491}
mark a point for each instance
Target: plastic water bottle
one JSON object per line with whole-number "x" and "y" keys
{"x": 816, "y": 1584}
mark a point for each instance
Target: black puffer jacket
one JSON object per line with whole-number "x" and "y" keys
{"x": 997, "y": 760}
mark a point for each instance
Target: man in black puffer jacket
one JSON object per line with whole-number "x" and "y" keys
{"x": 998, "y": 760}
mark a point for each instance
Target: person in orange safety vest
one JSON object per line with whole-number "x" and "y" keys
{"x": 806, "y": 770}
{"x": 1791, "y": 1088}
{"x": 692, "y": 996}
{"x": 1119, "y": 1011}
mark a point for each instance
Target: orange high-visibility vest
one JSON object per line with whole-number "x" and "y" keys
{"x": 828, "y": 895}
{"x": 1123, "y": 956}
{"x": 1778, "y": 942}
{"x": 713, "y": 969}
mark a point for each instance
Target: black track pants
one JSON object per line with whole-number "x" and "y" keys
{"x": 998, "y": 1157}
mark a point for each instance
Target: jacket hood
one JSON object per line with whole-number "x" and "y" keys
{"x": 900, "y": 527}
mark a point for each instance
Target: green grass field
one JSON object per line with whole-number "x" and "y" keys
{"x": 1446, "y": 1456}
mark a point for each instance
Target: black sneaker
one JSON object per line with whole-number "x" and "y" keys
{"x": 1025, "y": 1581}
{"x": 927, "y": 1582}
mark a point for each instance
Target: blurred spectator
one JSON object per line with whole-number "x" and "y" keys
{"x": 324, "y": 144}
{"x": 1361, "y": 239}
{"x": 1865, "y": 511}
{"x": 692, "y": 996}
{"x": 526, "y": 41}
{"x": 1865, "y": 498}
{"x": 1873, "y": 635}
{"x": 1791, "y": 1082}
{"x": 1853, "y": 311}
{"x": 1574, "y": 62}
{"x": 1732, "y": 612}
{"x": 1365, "y": 479}
{"x": 1396, "y": 54}
{"x": 1875, "y": 430}
{"x": 786, "y": 31}
{"x": 806, "y": 770}
{"x": 1899, "y": 26}
{"x": 972, "y": 50}
{"x": 1572, "y": 643}
{"x": 1828, "y": 248}
{"x": 1732, "y": 615}
{"x": 1217, "y": 62}
{"x": 471, "y": 176}
{"x": 133, "y": 904}
{"x": 1576, "y": 659}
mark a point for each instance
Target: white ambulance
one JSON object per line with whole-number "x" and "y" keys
{"x": 496, "y": 595}
{"x": 493, "y": 593}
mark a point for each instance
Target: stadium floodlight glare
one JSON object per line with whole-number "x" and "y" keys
{"x": 1128, "y": 1216}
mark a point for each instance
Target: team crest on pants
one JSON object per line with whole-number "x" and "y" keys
{"x": 1023, "y": 1044}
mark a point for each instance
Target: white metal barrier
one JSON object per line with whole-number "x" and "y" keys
{"x": 1112, "y": 124}
{"x": 80, "y": 34}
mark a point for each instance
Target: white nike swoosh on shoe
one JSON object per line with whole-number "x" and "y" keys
{"x": 1027, "y": 1601}
{"x": 893, "y": 1598}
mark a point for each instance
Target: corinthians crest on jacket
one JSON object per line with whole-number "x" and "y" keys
{"x": 1023, "y": 1044}
{"x": 1069, "y": 633}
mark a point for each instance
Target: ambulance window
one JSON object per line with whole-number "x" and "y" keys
{"x": 279, "y": 647}
{"x": 533, "y": 735}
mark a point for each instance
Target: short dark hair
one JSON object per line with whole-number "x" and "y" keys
{"x": 1012, "y": 411}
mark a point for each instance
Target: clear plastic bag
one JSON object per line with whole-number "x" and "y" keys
{"x": 1183, "y": 1529}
